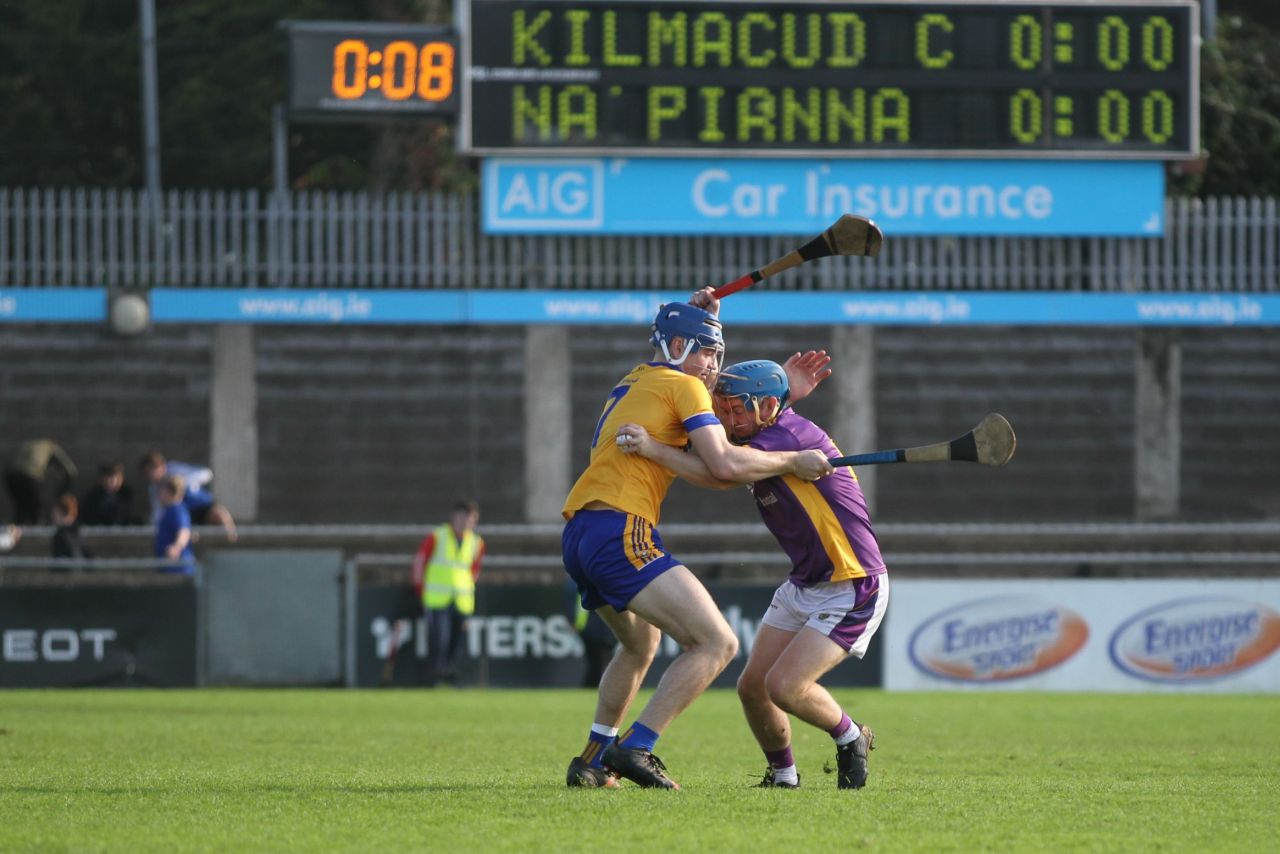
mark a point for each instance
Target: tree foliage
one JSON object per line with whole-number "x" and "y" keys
{"x": 70, "y": 81}
{"x": 1239, "y": 114}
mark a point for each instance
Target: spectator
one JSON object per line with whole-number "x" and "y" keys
{"x": 173, "y": 528}
{"x": 109, "y": 501}
{"x": 25, "y": 474}
{"x": 66, "y": 539}
{"x": 201, "y": 504}
{"x": 445, "y": 570}
{"x": 9, "y": 536}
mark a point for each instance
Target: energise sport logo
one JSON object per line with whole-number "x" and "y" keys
{"x": 1195, "y": 639}
{"x": 991, "y": 640}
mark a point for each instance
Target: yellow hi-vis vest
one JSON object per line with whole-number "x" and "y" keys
{"x": 449, "y": 572}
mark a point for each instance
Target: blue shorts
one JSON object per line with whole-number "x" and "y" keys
{"x": 612, "y": 556}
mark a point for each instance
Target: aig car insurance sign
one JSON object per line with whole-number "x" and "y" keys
{"x": 1081, "y": 635}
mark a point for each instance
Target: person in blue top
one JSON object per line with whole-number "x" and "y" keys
{"x": 173, "y": 529}
{"x": 198, "y": 496}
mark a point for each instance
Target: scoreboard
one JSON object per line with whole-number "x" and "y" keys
{"x": 830, "y": 79}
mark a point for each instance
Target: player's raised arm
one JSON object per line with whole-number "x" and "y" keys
{"x": 805, "y": 371}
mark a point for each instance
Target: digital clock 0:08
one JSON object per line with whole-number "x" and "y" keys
{"x": 405, "y": 70}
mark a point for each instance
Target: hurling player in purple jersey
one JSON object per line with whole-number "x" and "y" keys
{"x": 835, "y": 598}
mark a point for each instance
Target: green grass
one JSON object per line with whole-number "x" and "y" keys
{"x": 303, "y": 770}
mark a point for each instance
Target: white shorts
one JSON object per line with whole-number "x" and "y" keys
{"x": 848, "y": 612}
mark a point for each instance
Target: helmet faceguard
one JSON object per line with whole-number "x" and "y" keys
{"x": 753, "y": 381}
{"x": 699, "y": 328}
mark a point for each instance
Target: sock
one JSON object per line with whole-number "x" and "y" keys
{"x": 597, "y": 740}
{"x": 845, "y": 732}
{"x": 783, "y": 765}
{"x": 638, "y": 736}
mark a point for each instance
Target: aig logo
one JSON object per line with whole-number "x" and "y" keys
{"x": 543, "y": 195}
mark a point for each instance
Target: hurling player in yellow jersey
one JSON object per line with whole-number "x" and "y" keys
{"x": 614, "y": 554}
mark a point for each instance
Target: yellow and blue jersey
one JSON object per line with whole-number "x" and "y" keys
{"x": 669, "y": 404}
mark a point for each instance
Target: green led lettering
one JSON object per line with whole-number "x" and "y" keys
{"x": 1063, "y": 33}
{"x": 1025, "y": 39}
{"x": 808, "y": 115}
{"x": 1113, "y": 116}
{"x": 848, "y": 39}
{"x": 1157, "y": 116}
{"x": 851, "y": 115}
{"x": 1157, "y": 43}
{"x": 1064, "y": 107}
{"x": 1113, "y": 43}
{"x": 577, "y": 108}
{"x": 813, "y": 40}
{"x": 667, "y": 32}
{"x": 705, "y": 44}
{"x": 665, "y": 103}
{"x": 577, "y": 37}
{"x": 749, "y": 59}
{"x": 538, "y": 115}
{"x": 524, "y": 38}
{"x": 711, "y": 97}
{"x": 928, "y": 22}
{"x": 611, "y": 55}
{"x": 757, "y": 110}
{"x": 1026, "y": 120}
{"x": 890, "y": 111}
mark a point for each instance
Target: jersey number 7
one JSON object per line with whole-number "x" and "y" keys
{"x": 614, "y": 396}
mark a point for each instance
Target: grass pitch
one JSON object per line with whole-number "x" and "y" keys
{"x": 304, "y": 770}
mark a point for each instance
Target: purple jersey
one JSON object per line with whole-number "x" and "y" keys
{"x": 822, "y": 526}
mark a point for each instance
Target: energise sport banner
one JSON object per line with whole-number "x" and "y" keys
{"x": 1085, "y": 635}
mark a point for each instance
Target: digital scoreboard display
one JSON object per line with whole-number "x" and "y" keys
{"x": 830, "y": 79}
{"x": 339, "y": 68}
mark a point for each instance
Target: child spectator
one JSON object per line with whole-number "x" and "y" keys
{"x": 173, "y": 528}
{"x": 201, "y": 504}
{"x": 66, "y": 539}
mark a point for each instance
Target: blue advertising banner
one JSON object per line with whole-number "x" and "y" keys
{"x": 632, "y": 308}
{"x": 629, "y": 308}
{"x": 905, "y": 197}
{"x": 53, "y": 305}
{"x": 184, "y": 305}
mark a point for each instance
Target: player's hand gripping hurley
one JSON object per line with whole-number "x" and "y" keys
{"x": 850, "y": 235}
{"x": 991, "y": 443}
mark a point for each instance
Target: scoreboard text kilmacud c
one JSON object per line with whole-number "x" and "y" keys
{"x": 832, "y": 79}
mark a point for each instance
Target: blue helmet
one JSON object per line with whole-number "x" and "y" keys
{"x": 699, "y": 327}
{"x": 751, "y": 381}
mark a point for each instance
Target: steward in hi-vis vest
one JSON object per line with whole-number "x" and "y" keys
{"x": 445, "y": 570}
{"x": 451, "y": 571}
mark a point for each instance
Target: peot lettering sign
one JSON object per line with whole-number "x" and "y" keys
{"x": 56, "y": 645}
{"x": 98, "y": 635}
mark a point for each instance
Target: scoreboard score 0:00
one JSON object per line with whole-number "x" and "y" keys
{"x": 657, "y": 77}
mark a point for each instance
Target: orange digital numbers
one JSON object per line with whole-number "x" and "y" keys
{"x": 399, "y": 71}
{"x": 435, "y": 80}
{"x": 350, "y": 69}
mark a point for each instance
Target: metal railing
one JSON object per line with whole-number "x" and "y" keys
{"x": 310, "y": 239}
